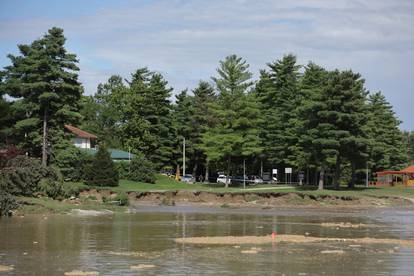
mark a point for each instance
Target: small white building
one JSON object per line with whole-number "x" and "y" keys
{"x": 82, "y": 138}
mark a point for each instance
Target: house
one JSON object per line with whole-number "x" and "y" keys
{"x": 391, "y": 178}
{"x": 84, "y": 140}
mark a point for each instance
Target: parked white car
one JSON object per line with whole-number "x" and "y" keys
{"x": 188, "y": 178}
{"x": 256, "y": 179}
{"x": 222, "y": 179}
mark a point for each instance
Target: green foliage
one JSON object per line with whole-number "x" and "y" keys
{"x": 237, "y": 112}
{"x": 44, "y": 76}
{"x": 100, "y": 170}
{"x": 23, "y": 175}
{"x": 142, "y": 170}
{"x": 51, "y": 188}
{"x": 7, "y": 203}
{"x": 387, "y": 148}
{"x": 122, "y": 199}
{"x": 123, "y": 168}
{"x": 409, "y": 142}
{"x": 69, "y": 159}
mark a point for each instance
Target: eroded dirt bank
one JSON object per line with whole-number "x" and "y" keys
{"x": 262, "y": 199}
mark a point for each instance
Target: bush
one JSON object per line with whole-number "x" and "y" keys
{"x": 22, "y": 175}
{"x": 122, "y": 199}
{"x": 101, "y": 171}
{"x": 123, "y": 169}
{"x": 52, "y": 188}
{"x": 70, "y": 161}
{"x": 142, "y": 170}
{"x": 7, "y": 203}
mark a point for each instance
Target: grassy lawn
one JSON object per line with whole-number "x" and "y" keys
{"x": 164, "y": 183}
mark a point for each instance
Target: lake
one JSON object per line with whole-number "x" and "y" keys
{"x": 112, "y": 244}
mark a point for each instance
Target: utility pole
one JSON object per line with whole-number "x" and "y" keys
{"x": 244, "y": 173}
{"x": 367, "y": 177}
{"x": 183, "y": 156}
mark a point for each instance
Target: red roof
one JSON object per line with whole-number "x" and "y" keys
{"x": 389, "y": 172}
{"x": 409, "y": 169}
{"x": 80, "y": 133}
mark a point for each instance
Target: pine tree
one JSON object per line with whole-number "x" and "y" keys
{"x": 409, "y": 142}
{"x": 279, "y": 94}
{"x": 101, "y": 170}
{"x": 146, "y": 117}
{"x": 238, "y": 115}
{"x": 45, "y": 76}
{"x": 183, "y": 111}
{"x": 387, "y": 149}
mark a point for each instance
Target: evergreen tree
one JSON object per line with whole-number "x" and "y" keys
{"x": 101, "y": 169}
{"x": 102, "y": 113}
{"x": 409, "y": 142}
{"x": 387, "y": 148}
{"x": 238, "y": 115}
{"x": 45, "y": 76}
{"x": 183, "y": 111}
{"x": 202, "y": 119}
{"x": 279, "y": 94}
{"x": 146, "y": 117}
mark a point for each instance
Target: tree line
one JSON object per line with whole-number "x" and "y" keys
{"x": 323, "y": 122}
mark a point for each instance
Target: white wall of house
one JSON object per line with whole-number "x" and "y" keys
{"x": 84, "y": 143}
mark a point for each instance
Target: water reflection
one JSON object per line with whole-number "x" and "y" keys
{"x": 110, "y": 244}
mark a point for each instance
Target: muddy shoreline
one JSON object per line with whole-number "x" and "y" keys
{"x": 250, "y": 199}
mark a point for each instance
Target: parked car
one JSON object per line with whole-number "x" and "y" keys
{"x": 238, "y": 179}
{"x": 254, "y": 179}
{"x": 188, "y": 178}
{"x": 223, "y": 178}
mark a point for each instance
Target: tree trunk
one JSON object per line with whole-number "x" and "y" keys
{"x": 195, "y": 170}
{"x": 207, "y": 175}
{"x": 315, "y": 177}
{"x": 321, "y": 179}
{"x": 44, "y": 146}
{"x": 228, "y": 172}
{"x": 337, "y": 172}
{"x": 351, "y": 184}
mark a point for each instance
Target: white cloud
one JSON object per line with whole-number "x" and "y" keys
{"x": 186, "y": 39}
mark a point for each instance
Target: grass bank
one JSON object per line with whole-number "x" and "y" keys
{"x": 165, "y": 183}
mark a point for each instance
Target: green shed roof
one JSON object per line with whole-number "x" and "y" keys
{"x": 115, "y": 153}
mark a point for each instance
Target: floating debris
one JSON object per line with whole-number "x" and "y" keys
{"x": 332, "y": 252}
{"x": 140, "y": 254}
{"x": 81, "y": 273}
{"x": 141, "y": 266}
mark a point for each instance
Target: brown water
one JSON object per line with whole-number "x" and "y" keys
{"x": 111, "y": 244}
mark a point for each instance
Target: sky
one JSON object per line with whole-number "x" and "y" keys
{"x": 184, "y": 40}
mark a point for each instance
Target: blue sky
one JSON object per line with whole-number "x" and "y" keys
{"x": 184, "y": 40}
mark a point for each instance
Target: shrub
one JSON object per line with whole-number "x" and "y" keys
{"x": 22, "y": 175}
{"x": 122, "y": 198}
{"x": 101, "y": 171}
{"x": 7, "y": 203}
{"x": 142, "y": 170}
{"x": 70, "y": 161}
{"x": 52, "y": 188}
{"x": 123, "y": 168}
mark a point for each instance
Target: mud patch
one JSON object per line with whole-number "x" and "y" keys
{"x": 6, "y": 268}
{"x": 233, "y": 240}
{"x": 347, "y": 225}
{"x": 80, "y": 212}
{"x": 138, "y": 254}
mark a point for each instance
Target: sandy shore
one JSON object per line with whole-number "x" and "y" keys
{"x": 237, "y": 240}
